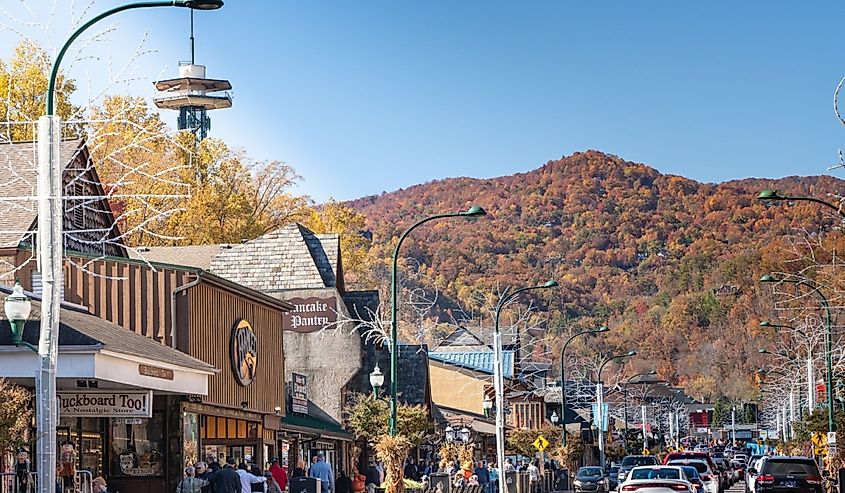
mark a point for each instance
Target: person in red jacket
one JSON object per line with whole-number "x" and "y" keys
{"x": 279, "y": 474}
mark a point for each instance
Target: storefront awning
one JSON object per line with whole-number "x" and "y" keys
{"x": 312, "y": 425}
{"x": 482, "y": 425}
{"x": 104, "y": 355}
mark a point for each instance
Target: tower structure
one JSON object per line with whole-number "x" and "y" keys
{"x": 193, "y": 95}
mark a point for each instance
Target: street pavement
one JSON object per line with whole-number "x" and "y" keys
{"x": 738, "y": 487}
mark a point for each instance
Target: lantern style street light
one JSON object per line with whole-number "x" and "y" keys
{"x": 563, "y": 377}
{"x": 554, "y": 417}
{"x": 449, "y": 432}
{"x": 474, "y": 211}
{"x": 49, "y": 235}
{"x": 464, "y": 434}
{"x": 487, "y": 405}
{"x": 17, "y": 307}
{"x": 498, "y": 375}
{"x": 768, "y": 278}
{"x": 376, "y": 380}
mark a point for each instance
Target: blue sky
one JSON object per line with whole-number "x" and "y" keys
{"x": 365, "y": 97}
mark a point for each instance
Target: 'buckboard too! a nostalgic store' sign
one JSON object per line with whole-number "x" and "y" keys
{"x": 299, "y": 393}
{"x": 311, "y": 314}
{"x": 137, "y": 404}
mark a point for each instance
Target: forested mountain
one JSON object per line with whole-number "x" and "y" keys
{"x": 670, "y": 264}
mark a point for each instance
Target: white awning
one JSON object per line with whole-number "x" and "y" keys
{"x": 111, "y": 370}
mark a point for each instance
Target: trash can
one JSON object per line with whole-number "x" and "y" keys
{"x": 562, "y": 480}
{"x": 510, "y": 479}
{"x": 304, "y": 484}
{"x": 441, "y": 481}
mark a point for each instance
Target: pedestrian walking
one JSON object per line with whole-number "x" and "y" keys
{"x": 226, "y": 479}
{"x": 483, "y": 476}
{"x": 373, "y": 478}
{"x": 272, "y": 485}
{"x": 248, "y": 479}
{"x": 299, "y": 470}
{"x": 280, "y": 476}
{"x": 494, "y": 478}
{"x": 509, "y": 467}
{"x": 534, "y": 476}
{"x": 322, "y": 470}
{"x": 190, "y": 483}
{"x": 98, "y": 485}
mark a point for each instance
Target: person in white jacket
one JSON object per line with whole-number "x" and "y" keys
{"x": 247, "y": 478}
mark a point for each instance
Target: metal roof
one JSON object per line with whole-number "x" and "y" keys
{"x": 475, "y": 360}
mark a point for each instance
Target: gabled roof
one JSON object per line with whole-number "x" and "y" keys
{"x": 479, "y": 337}
{"x": 289, "y": 258}
{"x": 475, "y": 360}
{"x": 18, "y": 179}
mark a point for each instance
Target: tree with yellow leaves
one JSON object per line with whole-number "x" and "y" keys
{"x": 23, "y": 85}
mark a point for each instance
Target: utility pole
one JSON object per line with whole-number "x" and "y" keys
{"x": 645, "y": 434}
{"x": 733, "y": 426}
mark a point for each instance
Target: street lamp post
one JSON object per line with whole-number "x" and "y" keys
{"x": 773, "y": 195}
{"x": 829, "y": 338}
{"x": 498, "y": 376}
{"x": 563, "y": 377}
{"x": 600, "y": 403}
{"x": 474, "y": 211}
{"x": 49, "y": 239}
{"x": 625, "y": 404}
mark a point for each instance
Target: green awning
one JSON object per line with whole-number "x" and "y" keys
{"x": 311, "y": 424}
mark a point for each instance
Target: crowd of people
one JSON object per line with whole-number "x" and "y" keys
{"x": 243, "y": 477}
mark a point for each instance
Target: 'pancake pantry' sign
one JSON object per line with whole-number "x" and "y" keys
{"x": 311, "y": 314}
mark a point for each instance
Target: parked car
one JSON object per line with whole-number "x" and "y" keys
{"x": 632, "y": 461}
{"x": 709, "y": 479}
{"x": 787, "y": 474}
{"x": 692, "y": 456}
{"x": 590, "y": 479}
{"x": 657, "y": 479}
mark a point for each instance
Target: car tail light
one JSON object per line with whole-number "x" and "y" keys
{"x": 705, "y": 477}
{"x": 765, "y": 478}
{"x": 680, "y": 487}
{"x": 813, "y": 479}
{"x": 630, "y": 487}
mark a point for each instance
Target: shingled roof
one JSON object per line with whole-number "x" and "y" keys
{"x": 292, "y": 257}
{"x": 19, "y": 181}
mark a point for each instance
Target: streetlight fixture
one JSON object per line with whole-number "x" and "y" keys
{"x": 487, "y": 405}
{"x": 773, "y": 195}
{"x": 554, "y": 417}
{"x": 17, "y": 307}
{"x": 376, "y": 380}
{"x": 768, "y": 278}
{"x": 601, "y": 329}
{"x": 449, "y": 432}
{"x": 464, "y": 434}
{"x": 600, "y": 403}
{"x": 474, "y": 211}
{"x": 498, "y": 374}
{"x": 49, "y": 235}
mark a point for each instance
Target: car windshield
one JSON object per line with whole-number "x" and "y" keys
{"x": 691, "y": 472}
{"x": 589, "y": 472}
{"x": 639, "y": 461}
{"x": 699, "y": 466}
{"x": 790, "y": 467}
{"x": 656, "y": 473}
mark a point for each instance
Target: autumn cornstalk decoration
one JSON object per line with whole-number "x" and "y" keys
{"x": 392, "y": 450}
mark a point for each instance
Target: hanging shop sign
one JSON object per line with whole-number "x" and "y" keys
{"x": 243, "y": 351}
{"x": 137, "y": 404}
{"x": 299, "y": 393}
{"x": 311, "y": 314}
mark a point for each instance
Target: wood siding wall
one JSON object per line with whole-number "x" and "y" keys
{"x": 134, "y": 296}
{"x": 212, "y": 313}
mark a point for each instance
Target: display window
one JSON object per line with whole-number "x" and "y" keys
{"x": 136, "y": 445}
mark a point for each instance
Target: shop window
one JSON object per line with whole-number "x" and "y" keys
{"x": 241, "y": 428}
{"x": 190, "y": 438}
{"x": 136, "y": 446}
{"x": 221, "y": 427}
{"x": 254, "y": 431}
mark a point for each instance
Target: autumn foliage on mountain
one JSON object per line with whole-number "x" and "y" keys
{"x": 670, "y": 264}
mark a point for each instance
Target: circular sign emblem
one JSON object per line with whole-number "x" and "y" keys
{"x": 243, "y": 350}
